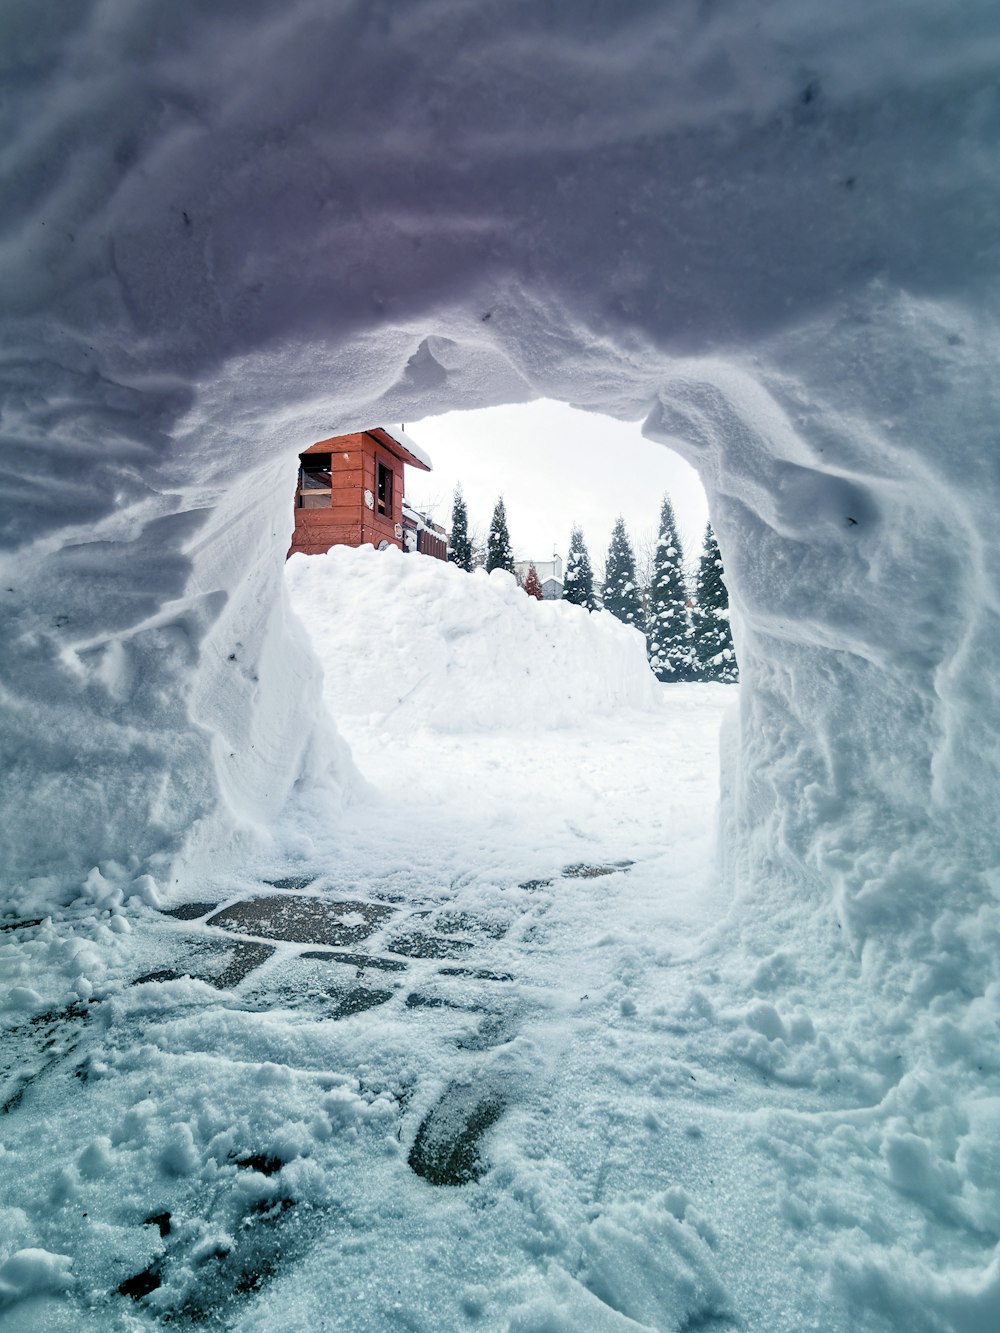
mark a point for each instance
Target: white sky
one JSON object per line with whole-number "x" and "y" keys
{"x": 555, "y": 466}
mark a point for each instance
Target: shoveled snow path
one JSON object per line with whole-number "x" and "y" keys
{"x": 624, "y": 1192}
{"x": 525, "y": 1104}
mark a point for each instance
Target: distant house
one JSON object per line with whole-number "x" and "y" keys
{"x": 550, "y": 575}
{"x": 350, "y": 490}
{"x": 422, "y": 534}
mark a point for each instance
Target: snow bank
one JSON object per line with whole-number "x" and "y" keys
{"x": 429, "y": 645}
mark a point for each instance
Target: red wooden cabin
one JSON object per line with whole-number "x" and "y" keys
{"x": 350, "y": 490}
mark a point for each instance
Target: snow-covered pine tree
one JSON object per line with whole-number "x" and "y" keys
{"x": 460, "y": 544}
{"x": 668, "y": 641}
{"x": 498, "y": 549}
{"x": 532, "y": 584}
{"x": 621, "y": 591}
{"x": 711, "y": 635}
{"x": 578, "y": 585}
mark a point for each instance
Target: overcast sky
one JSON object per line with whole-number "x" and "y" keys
{"x": 555, "y": 466}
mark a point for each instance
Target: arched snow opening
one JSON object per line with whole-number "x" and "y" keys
{"x": 170, "y": 705}
{"x": 223, "y": 255}
{"x": 770, "y": 234}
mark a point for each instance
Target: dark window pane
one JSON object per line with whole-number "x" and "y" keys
{"x": 384, "y": 489}
{"x": 314, "y": 472}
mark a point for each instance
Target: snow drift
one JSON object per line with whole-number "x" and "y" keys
{"x": 432, "y": 646}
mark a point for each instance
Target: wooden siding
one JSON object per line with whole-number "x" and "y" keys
{"x": 348, "y": 521}
{"x": 429, "y": 544}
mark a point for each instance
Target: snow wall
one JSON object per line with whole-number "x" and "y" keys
{"x": 431, "y": 646}
{"x": 769, "y": 233}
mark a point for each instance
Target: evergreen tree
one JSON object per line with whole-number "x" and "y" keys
{"x": 460, "y": 545}
{"x": 578, "y": 586}
{"x": 667, "y": 635}
{"x": 712, "y": 638}
{"x": 498, "y": 550}
{"x": 621, "y": 591}
{"x": 532, "y": 585}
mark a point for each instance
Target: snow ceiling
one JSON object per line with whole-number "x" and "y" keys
{"x": 768, "y": 231}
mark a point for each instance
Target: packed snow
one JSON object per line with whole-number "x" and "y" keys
{"x": 768, "y": 233}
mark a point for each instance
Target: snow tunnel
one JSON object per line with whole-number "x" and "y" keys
{"x": 768, "y": 232}
{"x": 770, "y": 237}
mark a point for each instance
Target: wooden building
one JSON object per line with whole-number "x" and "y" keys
{"x": 350, "y": 490}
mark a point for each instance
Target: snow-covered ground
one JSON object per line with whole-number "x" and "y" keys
{"x": 490, "y": 1050}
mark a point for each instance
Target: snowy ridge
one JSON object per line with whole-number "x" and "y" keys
{"x": 432, "y": 646}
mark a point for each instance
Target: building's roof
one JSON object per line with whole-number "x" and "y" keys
{"x": 396, "y": 440}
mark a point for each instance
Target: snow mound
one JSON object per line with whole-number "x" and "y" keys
{"x": 30, "y": 1272}
{"x": 432, "y": 646}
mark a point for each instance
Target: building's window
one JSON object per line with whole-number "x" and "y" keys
{"x": 315, "y": 481}
{"x": 384, "y": 490}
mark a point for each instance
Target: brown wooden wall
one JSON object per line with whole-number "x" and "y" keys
{"x": 429, "y": 544}
{"x": 348, "y": 521}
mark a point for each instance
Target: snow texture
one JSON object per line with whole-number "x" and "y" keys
{"x": 767, "y": 231}
{"x": 30, "y": 1272}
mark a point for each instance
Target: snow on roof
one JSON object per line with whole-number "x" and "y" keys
{"x": 421, "y": 456}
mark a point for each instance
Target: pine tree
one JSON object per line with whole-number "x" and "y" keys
{"x": 460, "y": 545}
{"x": 667, "y": 636}
{"x": 712, "y": 638}
{"x": 498, "y": 549}
{"x": 532, "y": 585}
{"x": 578, "y": 586}
{"x": 621, "y": 592}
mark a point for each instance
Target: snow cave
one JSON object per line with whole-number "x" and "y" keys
{"x": 769, "y": 235}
